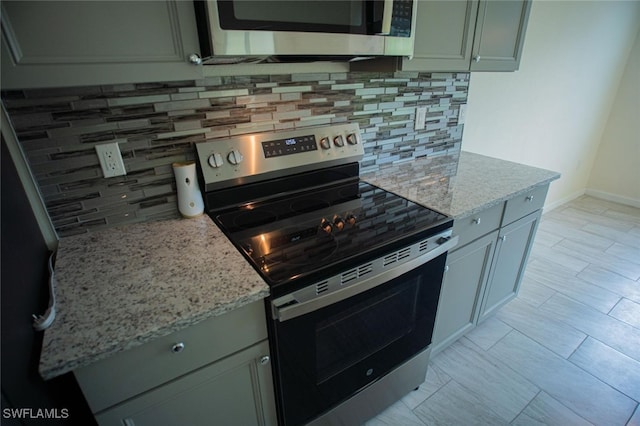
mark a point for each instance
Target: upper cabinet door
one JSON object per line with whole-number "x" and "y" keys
{"x": 499, "y": 35}
{"x": 69, "y": 43}
{"x": 444, "y": 36}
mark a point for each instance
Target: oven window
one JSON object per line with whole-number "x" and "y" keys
{"x": 355, "y": 333}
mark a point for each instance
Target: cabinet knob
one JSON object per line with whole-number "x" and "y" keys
{"x": 195, "y": 59}
{"x": 177, "y": 348}
{"x": 446, "y": 268}
{"x": 529, "y": 198}
{"x": 476, "y": 58}
{"x": 503, "y": 238}
{"x": 264, "y": 360}
{"x": 476, "y": 221}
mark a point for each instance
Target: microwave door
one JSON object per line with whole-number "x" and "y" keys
{"x": 329, "y": 16}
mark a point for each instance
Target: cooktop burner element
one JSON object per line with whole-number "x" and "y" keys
{"x": 296, "y": 208}
{"x": 332, "y": 230}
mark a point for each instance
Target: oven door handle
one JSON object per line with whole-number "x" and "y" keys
{"x": 286, "y": 307}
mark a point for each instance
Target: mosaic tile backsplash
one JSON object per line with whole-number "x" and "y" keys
{"x": 156, "y": 124}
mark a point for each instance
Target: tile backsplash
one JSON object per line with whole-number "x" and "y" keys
{"x": 156, "y": 124}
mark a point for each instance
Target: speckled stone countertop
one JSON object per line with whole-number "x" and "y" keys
{"x": 480, "y": 182}
{"x": 120, "y": 288}
{"x": 123, "y": 287}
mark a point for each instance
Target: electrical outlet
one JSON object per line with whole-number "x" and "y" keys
{"x": 462, "y": 115}
{"x": 421, "y": 116}
{"x": 110, "y": 159}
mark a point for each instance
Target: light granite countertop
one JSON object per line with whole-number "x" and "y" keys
{"x": 480, "y": 182}
{"x": 120, "y": 288}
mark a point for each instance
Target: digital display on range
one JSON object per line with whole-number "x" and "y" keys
{"x": 289, "y": 146}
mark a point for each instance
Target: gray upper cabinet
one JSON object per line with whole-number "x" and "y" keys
{"x": 458, "y": 35}
{"x": 444, "y": 36}
{"x": 61, "y": 43}
{"x": 499, "y": 36}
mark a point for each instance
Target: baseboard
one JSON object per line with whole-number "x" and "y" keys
{"x": 620, "y": 199}
{"x": 550, "y": 206}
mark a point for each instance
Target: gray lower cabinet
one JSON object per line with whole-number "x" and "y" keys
{"x": 456, "y": 35}
{"x": 232, "y": 391}
{"x": 217, "y": 371}
{"x": 466, "y": 276}
{"x": 74, "y": 43}
{"x": 509, "y": 262}
{"x": 485, "y": 271}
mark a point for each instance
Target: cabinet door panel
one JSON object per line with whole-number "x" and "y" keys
{"x": 444, "y": 36}
{"x": 462, "y": 288}
{"x": 235, "y": 390}
{"x": 68, "y": 43}
{"x": 509, "y": 262}
{"x": 499, "y": 36}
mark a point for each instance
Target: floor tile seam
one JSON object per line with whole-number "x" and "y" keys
{"x": 526, "y": 406}
{"x": 602, "y": 380}
{"x": 550, "y": 393}
{"x": 533, "y": 254}
{"x": 560, "y": 291}
{"x": 602, "y": 286}
{"x": 501, "y": 364}
{"x": 581, "y": 229}
{"x": 486, "y": 406}
{"x": 627, "y": 423}
{"x": 547, "y": 347}
{"x": 413, "y": 412}
{"x": 622, "y": 323}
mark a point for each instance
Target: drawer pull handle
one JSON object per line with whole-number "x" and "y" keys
{"x": 177, "y": 348}
{"x": 264, "y": 360}
{"x": 529, "y": 198}
{"x": 476, "y": 221}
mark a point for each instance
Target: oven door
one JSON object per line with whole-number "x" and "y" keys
{"x": 327, "y": 355}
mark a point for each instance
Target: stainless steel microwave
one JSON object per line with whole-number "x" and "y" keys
{"x": 306, "y": 27}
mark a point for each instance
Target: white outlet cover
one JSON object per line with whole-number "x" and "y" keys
{"x": 110, "y": 159}
{"x": 462, "y": 116}
{"x": 421, "y": 116}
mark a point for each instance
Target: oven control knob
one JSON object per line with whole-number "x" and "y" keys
{"x": 338, "y": 140}
{"x": 352, "y": 139}
{"x": 324, "y": 143}
{"x": 215, "y": 160}
{"x": 351, "y": 219}
{"x": 326, "y": 226}
{"x": 443, "y": 240}
{"x": 235, "y": 157}
{"x": 338, "y": 223}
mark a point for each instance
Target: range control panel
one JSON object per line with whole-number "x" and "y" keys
{"x": 261, "y": 156}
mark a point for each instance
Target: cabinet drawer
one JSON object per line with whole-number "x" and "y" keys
{"x": 237, "y": 390}
{"x": 136, "y": 370}
{"x": 478, "y": 224}
{"x": 524, "y": 204}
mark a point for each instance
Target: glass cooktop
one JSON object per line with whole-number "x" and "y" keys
{"x": 306, "y": 234}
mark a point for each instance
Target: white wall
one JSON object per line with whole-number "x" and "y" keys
{"x": 553, "y": 111}
{"x": 616, "y": 171}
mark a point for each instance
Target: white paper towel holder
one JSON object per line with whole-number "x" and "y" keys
{"x": 190, "y": 203}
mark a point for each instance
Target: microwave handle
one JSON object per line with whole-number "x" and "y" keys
{"x": 387, "y": 15}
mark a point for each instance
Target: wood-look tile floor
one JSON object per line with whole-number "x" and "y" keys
{"x": 566, "y": 351}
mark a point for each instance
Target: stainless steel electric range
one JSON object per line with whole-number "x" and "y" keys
{"x": 354, "y": 271}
